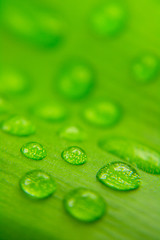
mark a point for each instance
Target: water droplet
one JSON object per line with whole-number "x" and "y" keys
{"x": 145, "y": 67}
{"x": 40, "y": 26}
{"x": 109, "y": 19}
{"x": 84, "y": 205}
{"x": 38, "y": 184}
{"x": 72, "y": 133}
{"x": 75, "y": 80}
{"x": 135, "y": 153}
{"x": 119, "y": 176}
{"x": 13, "y": 82}
{"x": 34, "y": 151}
{"x": 102, "y": 113}
{"x": 53, "y": 112}
{"x": 74, "y": 155}
{"x": 18, "y": 126}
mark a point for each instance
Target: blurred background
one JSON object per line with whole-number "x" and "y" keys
{"x": 67, "y": 63}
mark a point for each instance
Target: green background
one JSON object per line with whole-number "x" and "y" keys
{"x": 130, "y": 215}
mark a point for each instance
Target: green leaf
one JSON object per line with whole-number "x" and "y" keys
{"x": 130, "y": 215}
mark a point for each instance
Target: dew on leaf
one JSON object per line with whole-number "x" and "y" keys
{"x": 40, "y": 26}
{"x": 133, "y": 152}
{"x": 72, "y": 133}
{"x": 75, "y": 80}
{"x": 145, "y": 67}
{"x": 34, "y": 151}
{"x": 74, "y": 155}
{"x": 13, "y": 82}
{"x": 102, "y": 113}
{"x": 53, "y": 112}
{"x": 18, "y": 126}
{"x": 38, "y": 184}
{"x": 119, "y": 176}
{"x": 108, "y": 19}
{"x": 84, "y": 205}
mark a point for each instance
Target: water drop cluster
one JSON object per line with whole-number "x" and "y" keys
{"x": 75, "y": 82}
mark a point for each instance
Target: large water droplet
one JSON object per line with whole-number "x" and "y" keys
{"x": 74, "y": 155}
{"x": 135, "y": 153}
{"x": 34, "y": 151}
{"x": 18, "y": 126}
{"x": 13, "y": 82}
{"x": 145, "y": 67}
{"x": 38, "y": 184}
{"x": 40, "y": 26}
{"x": 84, "y": 205}
{"x": 72, "y": 133}
{"x": 75, "y": 80}
{"x": 119, "y": 176}
{"x": 102, "y": 113}
{"x": 53, "y": 112}
{"x": 108, "y": 19}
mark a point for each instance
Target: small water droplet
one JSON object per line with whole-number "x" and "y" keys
{"x": 84, "y": 205}
{"x": 18, "y": 126}
{"x": 145, "y": 67}
{"x": 135, "y": 153}
{"x": 13, "y": 82}
{"x": 40, "y": 26}
{"x": 38, "y": 184}
{"x": 102, "y": 113}
{"x": 119, "y": 176}
{"x": 34, "y": 151}
{"x": 53, "y": 112}
{"x": 74, "y": 155}
{"x": 75, "y": 80}
{"x": 108, "y": 19}
{"x": 72, "y": 133}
